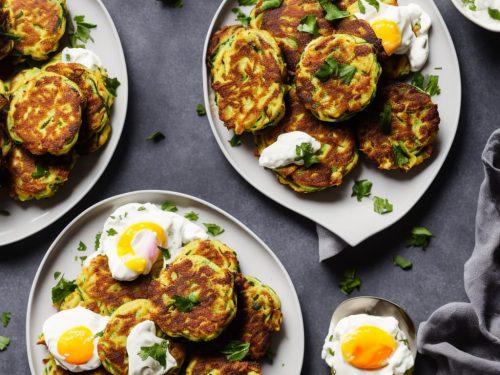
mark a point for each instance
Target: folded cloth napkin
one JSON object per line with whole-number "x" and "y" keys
{"x": 464, "y": 338}
{"x": 329, "y": 243}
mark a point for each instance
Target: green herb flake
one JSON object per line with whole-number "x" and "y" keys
{"x": 112, "y": 85}
{"x": 385, "y": 118}
{"x": 361, "y": 7}
{"x": 82, "y": 246}
{"x": 304, "y": 152}
{"x": 5, "y": 318}
{"x": 374, "y": 3}
{"x": 62, "y": 289}
{"x": 402, "y": 262}
{"x": 245, "y": 21}
{"x": 200, "y": 110}
{"x": 165, "y": 251}
{"x": 420, "y": 237}
{"x": 361, "y": 189}
{"x": 4, "y": 343}
{"x": 169, "y": 206}
{"x": 99, "y": 334}
{"x": 494, "y": 13}
{"x": 11, "y": 36}
{"x": 381, "y": 205}
{"x": 236, "y": 350}
{"x": 270, "y": 4}
{"x": 400, "y": 155}
{"x": 247, "y": 2}
{"x": 235, "y": 141}
{"x": 156, "y": 351}
{"x": 184, "y": 304}
{"x": 80, "y": 33}
{"x": 350, "y": 282}
{"x": 41, "y": 171}
{"x": 111, "y": 232}
{"x": 156, "y": 136}
{"x": 4, "y": 213}
{"x": 82, "y": 259}
{"x": 56, "y": 275}
{"x": 213, "y": 229}
{"x": 97, "y": 241}
{"x": 191, "y": 215}
{"x": 332, "y": 68}
{"x": 332, "y": 11}
{"x": 309, "y": 24}
{"x": 142, "y": 208}
{"x": 427, "y": 83}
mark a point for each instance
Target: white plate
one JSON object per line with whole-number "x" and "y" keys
{"x": 334, "y": 208}
{"x": 255, "y": 258}
{"x": 30, "y": 217}
{"x": 478, "y": 18}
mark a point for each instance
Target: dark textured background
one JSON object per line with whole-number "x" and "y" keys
{"x": 163, "y": 47}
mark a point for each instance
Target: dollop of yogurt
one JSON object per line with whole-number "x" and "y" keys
{"x": 144, "y": 335}
{"x": 484, "y": 10}
{"x": 283, "y": 151}
{"x": 82, "y": 56}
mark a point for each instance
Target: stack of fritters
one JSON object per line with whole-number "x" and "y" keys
{"x": 331, "y": 108}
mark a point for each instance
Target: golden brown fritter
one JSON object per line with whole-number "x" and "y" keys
{"x": 414, "y": 123}
{"x": 215, "y": 251}
{"x": 346, "y": 92}
{"x": 6, "y": 42}
{"x": 248, "y": 77}
{"x": 5, "y": 146}
{"x": 217, "y": 365}
{"x": 338, "y": 155}
{"x": 363, "y": 30}
{"x": 193, "y": 298}
{"x": 51, "y": 368}
{"x": 45, "y": 114}
{"x": 282, "y": 23}
{"x": 352, "y": 5}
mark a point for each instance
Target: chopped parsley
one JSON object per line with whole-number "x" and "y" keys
{"x": 200, "y": 110}
{"x": 270, "y": 4}
{"x": 361, "y": 189}
{"x": 400, "y": 155}
{"x": 99, "y": 334}
{"x": 4, "y": 213}
{"x": 385, "y": 118}
{"x": 381, "y": 205}
{"x": 156, "y": 136}
{"x": 374, "y": 3}
{"x": 112, "y": 85}
{"x": 236, "y": 350}
{"x": 185, "y": 304}
{"x": 111, "y": 232}
{"x": 427, "y": 83}
{"x": 82, "y": 246}
{"x": 247, "y": 2}
{"x": 235, "y": 141}
{"x": 494, "y": 13}
{"x": 332, "y": 12}
{"x": 142, "y": 208}
{"x": 62, "y": 289}
{"x": 241, "y": 17}
{"x": 361, "y": 7}
{"x": 41, "y": 171}
{"x": 82, "y": 259}
{"x": 165, "y": 251}
{"x": 420, "y": 237}
{"x": 332, "y": 68}
{"x": 305, "y": 152}
{"x": 213, "y": 229}
{"x": 191, "y": 215}
{"x": 156, "y": 351}
{"x": 4, "y": 343}
{"x": 56, "y": 275}
{"x": 5, "y": 318}
{"x": 350, "y": 282}
{"x": 97, "y": 241}
{"x": 309, "y": 24}
{"x": 80, "y": 33}
{"x": 169, "y": 206}
{"x": 402, "y": 262}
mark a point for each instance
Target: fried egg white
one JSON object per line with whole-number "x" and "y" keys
{"x": 404, "y": 30}
{"x": 72, "y": 336}
{"x": 365, "y": 344}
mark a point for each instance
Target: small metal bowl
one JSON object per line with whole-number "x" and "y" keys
{"x": 379, "y": 307}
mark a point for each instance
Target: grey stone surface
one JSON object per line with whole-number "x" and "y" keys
{"x": 163, "y": 47}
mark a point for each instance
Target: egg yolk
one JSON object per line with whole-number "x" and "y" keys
{"x": 76, "y": 345}
{"x": 389, "y": 33}
{"x": 367, "y": 347}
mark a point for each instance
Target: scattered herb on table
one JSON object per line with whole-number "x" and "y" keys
{"x": 5, "y": 318}
{"x": 156, "y": 136}
{"x": 420, "y": 237}
{"x": 350, "y": 282}
{"x": 4, "y": 343}
{"x": 173, "y": 3}
{"x": 200, "y": 110}
{"x": 402, "y": 262}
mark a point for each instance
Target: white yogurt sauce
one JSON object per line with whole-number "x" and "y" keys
{"x": 283, "y": 151}
{"x": 82, "y": 56}
{"x": 481, "y": 8}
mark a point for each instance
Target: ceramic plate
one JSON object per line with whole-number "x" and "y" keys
{"x": 334, "y": 208}
{"x": 255, "y": 258}
{"x": 30, "y": 217}
{"x": 479, "y": 19}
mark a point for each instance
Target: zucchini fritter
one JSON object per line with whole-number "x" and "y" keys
{"x": 215, "y": 251}
{"x": 217, "y": 365}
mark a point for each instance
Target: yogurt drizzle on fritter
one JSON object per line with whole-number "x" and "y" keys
{"x": 82, "y": 56}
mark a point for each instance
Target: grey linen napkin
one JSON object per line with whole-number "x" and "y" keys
{"x": 464, "y": 338}
{"x": 329, "y": 244}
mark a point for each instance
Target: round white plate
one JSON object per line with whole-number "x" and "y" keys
{"x": 30, "y": 217}
{"x": 334, "y": 208}
{"x": 479, "y": 19}
{"x": 255, "y": 258}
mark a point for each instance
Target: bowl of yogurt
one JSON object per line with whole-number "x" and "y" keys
{"x": 484, "y": 13}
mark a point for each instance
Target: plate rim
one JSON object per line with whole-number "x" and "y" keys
{"x": 396, "y": 216}
{"x": 203, "y": 202}
{"x": 77, "y": 198}
{"x": 483, "y": 24}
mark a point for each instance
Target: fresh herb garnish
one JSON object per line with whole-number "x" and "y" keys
{"x": 5, "y": 318}
{"x": 82, "y": 246}
{"x": 99, "y": 334}
{"x": 494, "y": 13}
{"x": 247, "y": 2}
{"x": 62, "y": 289}
{"x": 309, "y": 24}
{"x": 427, "y": 83}
{"x": 400, "y": 155}
{"x": 361, "y": 7}
{"x": 185, "y": 304}
{"x": 156, "y": 136}
{"x": 381, "y": 205}
{"x": 270, "y": 4}
{"x": 11, "y": 36}
{"x": 420, "y": 237}
{"x": 402, "y": 262}
{"x": 169, "y": 206}
{"x": 200, "y": 110}
{"x": 41, "y": 171}
{"x": 374, "y": 3}
{"x": 97, "y": 242}
{"x": 213, "y": 229}
{"x": 82, "y": 259}
{"x": 56, "y": 275}
{"x": 361, "y": 189}
{"x": 332, "y": 12}
{"x": 156, "y": 351}
{"x": 4, "y": 213}
{"x": 236, "y": 350}
{"x": 142, "y": 208}
{"x": 112, "y": 85}
{"x": 165, "y": 251}
{"x": 193, "y": 216}
{"x": 332, "y": 68}
{"x": 81, "y": 33}
{"x": 235, "y": 141}
{"x": 4, "y": 343}
{"x": 385, "y": 118}
{"x": 241, "y": 17}
{"x": 111, "y": 232}
{"x": 305, "y": 152}
{"x": 350, "y": 282}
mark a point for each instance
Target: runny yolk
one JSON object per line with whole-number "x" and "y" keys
{"x": 76, "y": 345}
{"x": 368, "y": 347}
{"x": 388, "y": 31}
